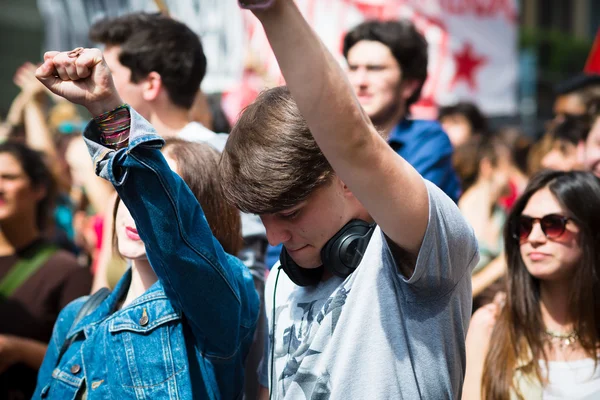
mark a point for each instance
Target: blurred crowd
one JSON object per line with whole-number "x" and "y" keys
{"x": 58, "y": 219}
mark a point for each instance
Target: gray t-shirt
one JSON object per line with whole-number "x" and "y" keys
{"x": 377, "y": 335}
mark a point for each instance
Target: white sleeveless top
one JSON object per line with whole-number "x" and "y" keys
{"x": 572, "y": 380}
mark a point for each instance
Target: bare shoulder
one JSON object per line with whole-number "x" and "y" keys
{"x": 484, "y": 319}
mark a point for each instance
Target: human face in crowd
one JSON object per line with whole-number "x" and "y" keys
{"x": 376, "y": 78}
{"x": 305, "y": 228}
{"x": 545, "y": 258}
{"x": 458, "y": 128}
{"x": 590, "y": 150}
{"x": 18, "y": 197}
{"x": 561, "y": 157}
{"x": 131, "y": 93}
{"x": 129, "y": 244}
{"x": 568, "y": 104}
{"x": 500, "y": 178}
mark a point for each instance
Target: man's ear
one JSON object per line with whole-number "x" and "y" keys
{"x": 409, "y": 87}
{"x": 345, "y": 189}
{"x": 152, "y": 86}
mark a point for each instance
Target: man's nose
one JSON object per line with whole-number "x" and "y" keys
{"x": 359, "y": 77}
{"x": 276, "y": 231}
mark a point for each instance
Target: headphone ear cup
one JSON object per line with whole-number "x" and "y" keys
{"x": 343, "y": 253}
{"x": 300, "y": 276}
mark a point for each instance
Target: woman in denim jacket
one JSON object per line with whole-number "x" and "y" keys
{"x": 182, "y": 336}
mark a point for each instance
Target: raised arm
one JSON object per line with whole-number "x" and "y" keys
{"x": 390, "y": 189}
{"x": 37, "y": 132}
{"x": 186, "y": 257}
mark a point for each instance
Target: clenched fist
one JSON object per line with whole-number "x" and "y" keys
{"x": 80, "y": 76}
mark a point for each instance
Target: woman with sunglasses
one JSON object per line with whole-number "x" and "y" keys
{"x": 543, "y": 342}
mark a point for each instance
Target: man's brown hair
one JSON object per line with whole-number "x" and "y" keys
{"x": 271, "y": 161}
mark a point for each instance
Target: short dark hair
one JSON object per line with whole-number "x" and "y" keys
{"x": 271, "y": 161}
{"x": 154, "y": 42}
{"x": 577, "y": 83}
{"x": 37, "y": 170}
{"x": 408, "y": 46}
{"x": 571, "y": 128}
{"x": 470, "y": 111}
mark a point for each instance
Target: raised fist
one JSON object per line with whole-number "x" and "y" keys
{"x": 80, "y": 76}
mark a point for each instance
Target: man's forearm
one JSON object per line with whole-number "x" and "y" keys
{"x": 317, "y": 83}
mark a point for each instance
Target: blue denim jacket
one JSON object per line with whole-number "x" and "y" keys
{"x": 188, "y": 335}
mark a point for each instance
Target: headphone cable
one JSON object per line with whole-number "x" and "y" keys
{"x": 273, "y": 334}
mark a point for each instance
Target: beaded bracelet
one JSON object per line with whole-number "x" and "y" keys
{"x": 114, "y": 127}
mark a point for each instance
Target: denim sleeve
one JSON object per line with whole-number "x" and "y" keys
{"x": 199, "y": 278}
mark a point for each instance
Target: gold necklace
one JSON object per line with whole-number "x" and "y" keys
{"x": 562, "y": 339}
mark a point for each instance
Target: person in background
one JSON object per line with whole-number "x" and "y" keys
{"x": 36, "y": 278}
{"x": 566, "y": 135}
{"x": 519, "y": 146}
{"x": 483, "y": 163}
{"x": 461, "y": 121}
{"x": 387, "y": 67}
{"x": 543, "y": 340}
{"x": 574, "y": 94}
{"x": 158, "y": 65}
{"x": 588, "y": 148}
{"x": 75, "y": 226}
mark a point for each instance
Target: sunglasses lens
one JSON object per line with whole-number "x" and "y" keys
{"x": 525, "y": 226}
{"x": 553, "y": 226}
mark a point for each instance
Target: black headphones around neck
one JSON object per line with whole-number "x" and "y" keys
{"x": 341, "y": 255}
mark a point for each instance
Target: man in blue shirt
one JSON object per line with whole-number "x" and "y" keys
{"x": 387, "y": 66}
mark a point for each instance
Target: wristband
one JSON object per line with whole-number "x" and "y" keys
{"x": 114, "y": 127}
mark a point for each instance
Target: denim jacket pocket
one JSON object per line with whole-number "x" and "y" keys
{"x": 148, "y": 345}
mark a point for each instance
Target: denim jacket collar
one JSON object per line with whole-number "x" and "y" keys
{"x": 160, "y": 311}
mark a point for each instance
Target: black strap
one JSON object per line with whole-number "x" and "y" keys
{"x": 88, "y": 307}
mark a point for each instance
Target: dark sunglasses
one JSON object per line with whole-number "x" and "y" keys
{"x": 553, "y": 226}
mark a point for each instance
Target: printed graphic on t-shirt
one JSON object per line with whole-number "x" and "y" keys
{"x": 302, "y": 346}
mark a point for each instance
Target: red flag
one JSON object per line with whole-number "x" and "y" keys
{"x": 592, "y": 65}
